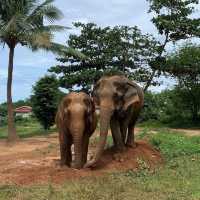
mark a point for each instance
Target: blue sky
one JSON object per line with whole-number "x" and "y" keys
{"x": 29, "y": 66}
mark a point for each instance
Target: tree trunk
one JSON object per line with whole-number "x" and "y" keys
{"x": 162, "y": 49}
{"x": 12, "y": 135}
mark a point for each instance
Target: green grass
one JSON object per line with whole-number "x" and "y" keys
{"x": 27, "y": 128}
{"x": 172, "y": 144}
{"x": 154, "y": 124}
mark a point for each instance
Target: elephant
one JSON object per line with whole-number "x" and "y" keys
{"x": 76, "y": 121}
{"x": 120, "y": 102}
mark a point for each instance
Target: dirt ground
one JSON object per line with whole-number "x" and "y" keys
{"x": 36, "y": 161}
{"x": 188, "y": 132}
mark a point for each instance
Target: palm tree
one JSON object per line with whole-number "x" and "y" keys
{"x": 22, "y": 22}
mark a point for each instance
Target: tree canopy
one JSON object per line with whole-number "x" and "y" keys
{"x": 184, "y": 65}
{"x": 174, "y": 20}
{"x": 108, "y": 50}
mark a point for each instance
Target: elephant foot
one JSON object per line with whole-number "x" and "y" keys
{"x": 64, "y": 163}
{"x": 90, "y": 164}
{"x": 119, "y": 157}
{"x": 119, "y": 148}
{"x": 76, "y": 166}
{"x": 131, "y": 145}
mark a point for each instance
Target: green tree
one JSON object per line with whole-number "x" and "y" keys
{"x": 22, "y": 22}
{"x": 45, "y": 100}
{"x": 174, "y": 21}
{"x": 184, "y": 65}
{"x": 120, "y": 49}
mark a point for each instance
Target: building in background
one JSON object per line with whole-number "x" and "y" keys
{"x": 23, "y": 111}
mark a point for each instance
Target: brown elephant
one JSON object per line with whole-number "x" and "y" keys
{"x": 120, "y": 101}
{"x": 76, "y": 121}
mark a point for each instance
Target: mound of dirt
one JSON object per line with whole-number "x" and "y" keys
{"x": 41, "y": 166}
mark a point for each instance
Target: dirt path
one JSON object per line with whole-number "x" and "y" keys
{"x": 36, "y": 161}
{"x": 188, "y": 132}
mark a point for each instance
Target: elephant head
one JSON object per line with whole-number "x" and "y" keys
{"x": 75, "y": 118}
{"x": 113, "y": 94}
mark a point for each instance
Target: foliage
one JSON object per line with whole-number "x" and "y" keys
{"x": 22, "y": 22}
{"x": 3, "y": 110}
{"x": 174, "y": 18}
{"x": 184, "y": 65}
{"x": 121, "y": 50}
{"x": 151, "y": 107}
{"x": 45, "y": 100}
{"x": 174, "y": 21}
{"x": 171, "y": 107}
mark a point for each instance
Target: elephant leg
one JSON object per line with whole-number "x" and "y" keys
{"x": 117, "y": 135}
{"x": 123, "y": 128}
{"x": 85, "y": 149}
{"x": 130, "y": 137}
{"x": 65, "y": 150}
{"x": 69, "y": 153}
{"x": 113, "y": 135}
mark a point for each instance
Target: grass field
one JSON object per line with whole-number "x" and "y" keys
{"x": 26, "y": 128}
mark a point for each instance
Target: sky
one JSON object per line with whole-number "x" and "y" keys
{"x": 29, "y": 66}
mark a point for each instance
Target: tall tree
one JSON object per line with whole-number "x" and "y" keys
{"x": 174, "y": 21}
{"x": 108, "y": 50}
{"x": 184, "y": 65}
{"x": 22, "y": 22}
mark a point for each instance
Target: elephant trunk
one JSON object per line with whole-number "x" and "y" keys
{"x": 77, "y": 140}
{"x": 105, "y": 115}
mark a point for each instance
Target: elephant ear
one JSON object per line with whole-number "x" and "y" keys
{"x": 131, "y": 95}
{"x": 90, "y": 109}
{"x": 90, "y": 106}
{"x": 95, "y": 92}
{"x": 62, "y": 113}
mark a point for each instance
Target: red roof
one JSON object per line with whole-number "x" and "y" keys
{"x": 23, "y": 109}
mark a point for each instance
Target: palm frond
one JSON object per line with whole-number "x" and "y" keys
{"x": 53, "y": 28}
{"x": 23, "y": 21}
{"x": 61, "y": 50}
{"x": 45, "y": 10}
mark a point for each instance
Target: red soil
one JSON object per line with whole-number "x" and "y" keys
{"x": 36, "y": 161}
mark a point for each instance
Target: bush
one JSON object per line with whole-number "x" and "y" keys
{"x": 45, "y": 100}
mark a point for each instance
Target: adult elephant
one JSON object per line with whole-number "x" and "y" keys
{"x": 120, "y": 101}
{"x": 76, "y": 121}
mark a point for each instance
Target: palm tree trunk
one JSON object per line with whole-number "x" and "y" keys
{"x": 12, "y": 135}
